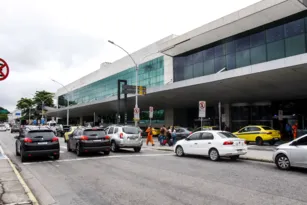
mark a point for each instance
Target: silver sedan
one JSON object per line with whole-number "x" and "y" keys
{"x": 291, "y": 154}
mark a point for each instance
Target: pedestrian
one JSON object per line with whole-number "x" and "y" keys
{"x": 162, "y": 134}
{"x": 174, "y": 136}
{"x": 294, "y": 130}
{"x": 289, "y": 131}
{"x": 149, "y": 136}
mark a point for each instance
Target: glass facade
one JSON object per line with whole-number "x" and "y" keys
{"x": 151, "y": 74}
{"x": 284, "y": 38}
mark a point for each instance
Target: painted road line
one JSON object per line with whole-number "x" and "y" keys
{"x": 62, "y": 151}
{"x": 102, "y": 157}
{"x": 63, "y": 147}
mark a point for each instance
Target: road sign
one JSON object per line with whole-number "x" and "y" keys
{"x": 4, "y": 70}
{"x": 136, "y": 114}
{"x": 130, "y": 89}
{"x": 151, "y": 109}
{"x": 142, "y": 90}
{"x": 202, "y": 109}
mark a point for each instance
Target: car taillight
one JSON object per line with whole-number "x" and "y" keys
{"x": 84, "y": 137}
{"x": 55, "y": 139}
{"x": 245, "y": 142}
{"x": 190, "y": 133}
{"x": 27, "y": 140}
{"x": 121, "y": 135}
{"x": 228, "y": 143}
{"x": 107, "y": 137}
{"x": 269, "y": 133}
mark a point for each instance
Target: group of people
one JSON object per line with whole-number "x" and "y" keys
{"x": 167, "y": 135}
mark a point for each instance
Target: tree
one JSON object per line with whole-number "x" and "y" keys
{"x": 25, "y": 104}
{"x": 42, "y": 98}
{"x": 3, "y": 117}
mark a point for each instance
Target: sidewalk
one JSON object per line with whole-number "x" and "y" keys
{"x": 252, "y": 154}
{"x": 13, "y": 190}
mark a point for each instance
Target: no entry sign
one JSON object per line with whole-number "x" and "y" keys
{"x": 4, "y": 70}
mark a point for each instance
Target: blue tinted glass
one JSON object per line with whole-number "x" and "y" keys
{"x": 198, "y": 57}
{"x": 219, "y": 50}
{"x": 219, "y": 63}
{"x": 231, "y": 61}
{"x": 209, "y": 67}
{"x": 230, "y": 47}
{"x": 294, "y": 28}
{"x": 198, "y": 70}
{"x": 276, "y": 50}
{"x": 258, "y": 54}
{"x": 295, "y": 45}
{"x": 257, "y": 39}
{"x": 208, "y": 54}
{"x": 275, "y": 34}
{"x": 188, "y": 60}
{"x": 242, "y": 58}
{"x": 243, "y": 43}
{"x": 188, "y": 72}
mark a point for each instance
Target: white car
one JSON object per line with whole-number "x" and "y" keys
{"x": 212, "y": 143}
{"x": 2, "y": 127}
{"x": 291, "y": 154}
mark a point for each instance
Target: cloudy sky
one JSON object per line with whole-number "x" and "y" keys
{"x": 67, "y": 39}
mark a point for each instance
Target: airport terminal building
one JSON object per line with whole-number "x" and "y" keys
{"x": 253, "y": 61}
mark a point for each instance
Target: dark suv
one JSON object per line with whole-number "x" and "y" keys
{"x": 37, "y": 141}
{"x": 85, "y": 139}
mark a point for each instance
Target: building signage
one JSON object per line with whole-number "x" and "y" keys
{"x": 151, "y": 109}
{"x": 202, "y": 109}
{"x": 136, "y": 114}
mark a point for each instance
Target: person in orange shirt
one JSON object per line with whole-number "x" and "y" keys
{"x": 294, "y": 130}
{"x": 149, "y": 136}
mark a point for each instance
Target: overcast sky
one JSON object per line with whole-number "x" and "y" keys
{"x": 67, "y": 39}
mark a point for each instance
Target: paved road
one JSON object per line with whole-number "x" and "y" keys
{"x": 155, "y": 177}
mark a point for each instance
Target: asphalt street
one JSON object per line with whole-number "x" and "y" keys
{"x": 155, "y": 177}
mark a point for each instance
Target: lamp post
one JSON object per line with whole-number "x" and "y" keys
{"x": 136, "y": 72}
{"x": 67, "y": 99}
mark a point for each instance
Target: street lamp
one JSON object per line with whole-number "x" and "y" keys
{"x": 136, "y": 72}
{"x": 67, "y": 99}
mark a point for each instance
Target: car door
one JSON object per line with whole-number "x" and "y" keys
{"x": 243, "y": 133}
{"x": 110, "y": 132}
{"x": 253, "y": 133}
{"x": 179, "y": 133}
{"x": 190, "y": 145}
{"x": 298, "y": 153}
{"x": 205, "y": 143}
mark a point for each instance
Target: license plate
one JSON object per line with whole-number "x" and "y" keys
{"x": 42, "y": 143}
{"x": 96, "y": 140}
{"x": 240, "y": 150}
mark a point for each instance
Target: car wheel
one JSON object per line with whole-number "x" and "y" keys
{"x": 282, "y": 162}
{"x": 137, "y": 149}
{"x": 259, "y": 141}
{"x": 114, "y": 147}
{"x": 179, "y": 151}
{"x": 272, "y": 142}
{"x": 16, "y": 151}
{"x": 22, "y": 156}
{"x": 68, "y": 147}
{"x": 106, "y": 152}
{"x": 78, "y": 151}
{"x": 214, "y": 155}
{"x": 56, "y": 157}
{"x": 234, "y": 158}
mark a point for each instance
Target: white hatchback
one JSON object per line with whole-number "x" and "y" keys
{"x": 212, "y": 143}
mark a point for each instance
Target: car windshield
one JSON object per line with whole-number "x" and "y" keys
{"x": 44, "y": 134}
{"x": 100, "y": 133}
{"x": 130, "y": 130}
{"x": 226, "y": 135}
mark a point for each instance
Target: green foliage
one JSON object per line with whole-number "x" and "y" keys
{"x": 3, "y": 117}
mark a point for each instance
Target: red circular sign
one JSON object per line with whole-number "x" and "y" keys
{"x": 4, "y": 66}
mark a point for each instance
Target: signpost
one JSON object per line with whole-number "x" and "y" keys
{"x": 136, "y": 114}
{"x": 4, "y": 66}
{"x": 201, "y": 111}
{"x": 151, "y": 109}
{"x": 130, "y": 89}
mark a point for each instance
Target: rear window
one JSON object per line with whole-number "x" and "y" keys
{"x": 100, "y": 133}
{"x": 44, "y": 134}
{"x": 267, "y": 128}
{"x": 131, "y": 130}
{"x": 226, "y": 135}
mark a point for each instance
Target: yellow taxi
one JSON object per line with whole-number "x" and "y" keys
{"x": 155, "y": 131}
{"x": 258, "y": 134}
{"x": 71, "y": 130}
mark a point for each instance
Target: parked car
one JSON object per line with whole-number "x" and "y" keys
{"x": 212, "y": 143}
{"x": 259, "y": 134}
{"x": 7, "y": 125}
{"x": 206, "y": 128}
{"x": 291, "y": 154}
{"x": 182, "y": 132}
{"x": 37, "y": 141}
{"x": 2, "y": 128}
{"x": 15, "y": 128}
{"x": 70, "y": 131}
{"x": 88, "y": 139}
{"x": 125, "y": 136}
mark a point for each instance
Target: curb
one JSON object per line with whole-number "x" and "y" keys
{"x": 257, "y": 160}
{"x": 166, "y": 150}
{"x": 23, "y": 183}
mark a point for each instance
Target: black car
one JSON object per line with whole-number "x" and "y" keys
{"x": 37, "y": 141}
{"x": 15, "y": 128}
{"x": 84, "y": 140}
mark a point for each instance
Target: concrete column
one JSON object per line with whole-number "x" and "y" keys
{"x": 226, "y": 114}
{"x": 169, "y": 117}
{"x": 81, "y": 120}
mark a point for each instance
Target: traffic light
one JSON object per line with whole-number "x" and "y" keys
{"x": 142, "y": 90}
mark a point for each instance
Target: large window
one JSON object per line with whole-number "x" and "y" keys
{"x": 280, "y": 39}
